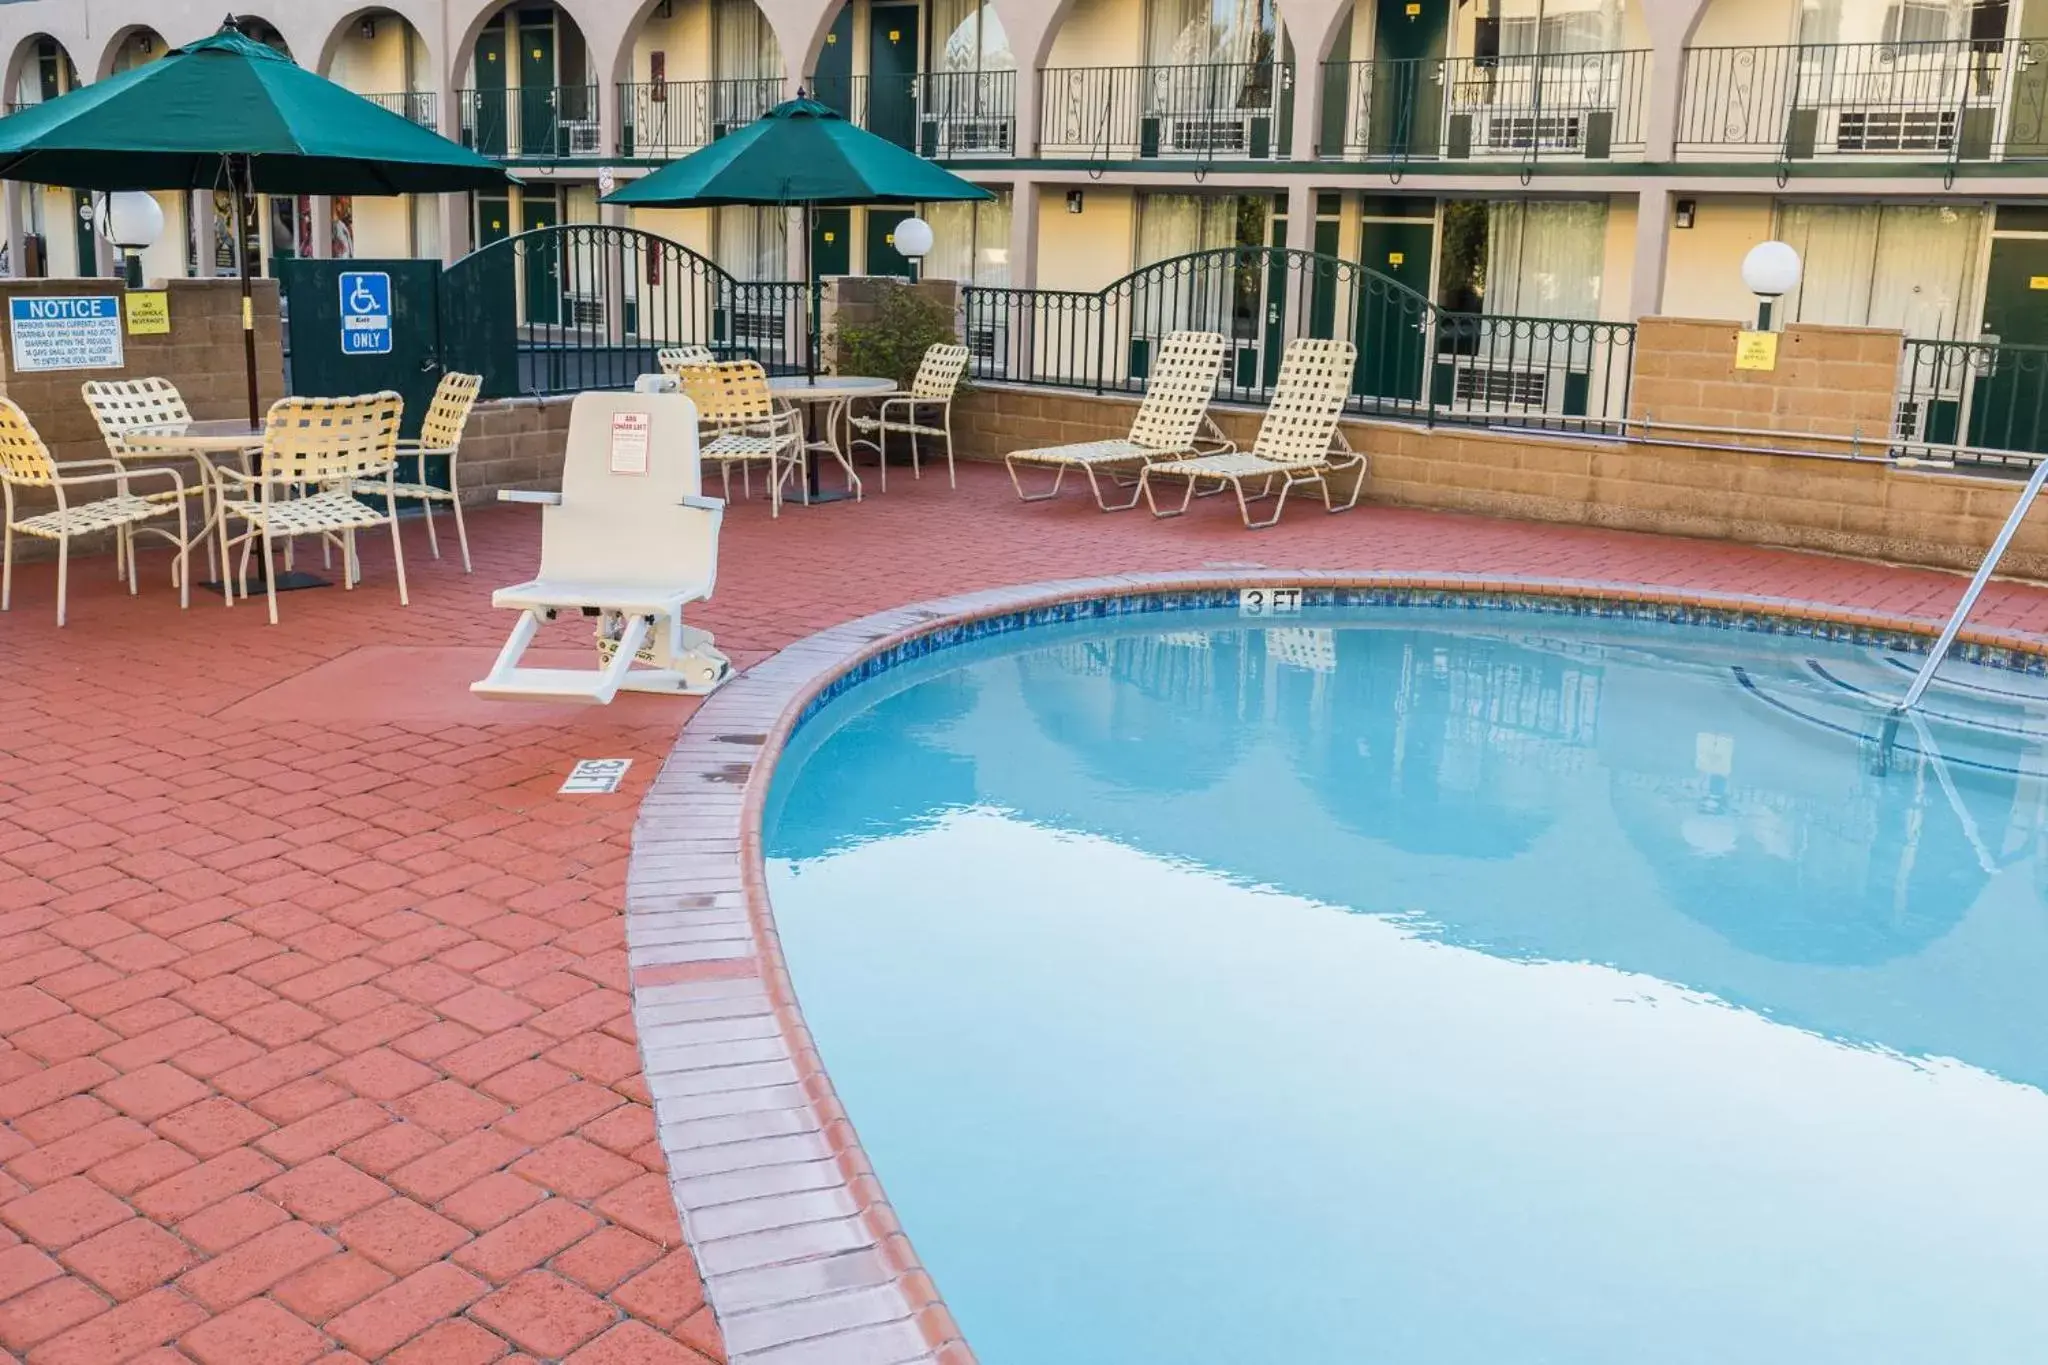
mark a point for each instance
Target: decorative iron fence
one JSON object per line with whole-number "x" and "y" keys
{"x": 535, "y": 122}
{"x": 587, "y": 306}
{"x": 1983, "y": 394}
{"x": 667, "y": 119}
{"x": 1227, "y": 111}
{"x": 1966, "y": 100}
{"x": 1577, "y": 105}
{"x": 420, "y": 106}
{"x": 1416, "y": 361}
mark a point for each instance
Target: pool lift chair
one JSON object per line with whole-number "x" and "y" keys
{"x": 629, "y": 541}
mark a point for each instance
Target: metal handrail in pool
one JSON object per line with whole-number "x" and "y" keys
{"x": 1970, "y": 594}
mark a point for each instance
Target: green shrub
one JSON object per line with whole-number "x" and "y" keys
{"x": 906, "y": 324}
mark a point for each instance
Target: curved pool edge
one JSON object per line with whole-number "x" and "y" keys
{"x": 802, "y": 1257}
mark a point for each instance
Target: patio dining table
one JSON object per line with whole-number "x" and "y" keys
{"x": 208, "y": 441}
{"x": 835, "y": 393}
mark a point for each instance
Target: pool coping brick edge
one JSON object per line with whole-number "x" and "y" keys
{"x": 802, "y": 1258}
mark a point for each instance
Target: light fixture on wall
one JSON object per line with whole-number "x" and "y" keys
{"x": 1073, "y": 201}
{"x": 1683, "y": 212}
{"x": 132, "y": 220}
{"x": 146, "y": 42}
{"x": 369, "y": 30}
{"x": 1771, "y": 270}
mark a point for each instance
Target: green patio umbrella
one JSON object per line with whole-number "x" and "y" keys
{"x": 229, "y": 113}
{"x": 800, "y": 152}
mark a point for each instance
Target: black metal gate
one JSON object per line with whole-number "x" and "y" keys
{"x": 613, "y": 298}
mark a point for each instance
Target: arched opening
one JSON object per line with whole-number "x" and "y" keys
{"x": 939, "y": 79}
{"x": 530, "y": 89}
{"x": 1516, "y": 80}
{"x": 381, "y": 56}
{"x": 133, "y": 47}
{"x": 1171, "y": 78}
{"x": 260, "y": 30}
{"x": 57, "y": 238}
{"x": 697, "y": 70}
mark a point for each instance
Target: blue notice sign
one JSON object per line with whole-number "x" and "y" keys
{"x": 365, "y": 312}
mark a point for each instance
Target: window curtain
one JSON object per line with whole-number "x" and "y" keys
{"x": 1559, "y": 26}
{"x": 743, "y": 46}
{"x": 1193, "y": 32}
{"x": 971, "y": 37}
{"x": 1544, "y": 258}
{"x": 1909, "y": 266}
{"x": 970, "y": 242}
{"x": 753, "y": 243}
{"x": 1171, "y": 225}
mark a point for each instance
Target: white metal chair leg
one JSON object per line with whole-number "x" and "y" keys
{"x": 433, "y": 540}
{"x": 397, "y": 549}
{"x": 63, "y": 574}
{"x": 461, "y": 531}
{"x": 269, "y": 573}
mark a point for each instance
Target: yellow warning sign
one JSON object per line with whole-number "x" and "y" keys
{"x": 1756, "y": 350}
{"x": 1397, "y": 258}
{"x": 149, "y": 313}
{"x": 2037, "y": 281}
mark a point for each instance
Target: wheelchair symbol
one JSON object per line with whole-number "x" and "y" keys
{"x": 362, "y": 300}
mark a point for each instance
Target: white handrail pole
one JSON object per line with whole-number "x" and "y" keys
{"x": 1984, "y": 572}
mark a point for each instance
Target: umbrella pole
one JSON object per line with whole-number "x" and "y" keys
{"x": 248, "y": 296}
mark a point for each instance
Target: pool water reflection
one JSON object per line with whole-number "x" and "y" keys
{"x": 1448, "y": 987}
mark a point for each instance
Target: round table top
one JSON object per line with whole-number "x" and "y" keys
{"x": 804, "y": 388}
{"x": 217, "y": 434}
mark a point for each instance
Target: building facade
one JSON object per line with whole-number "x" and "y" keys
{"x": 1576, "y": 159}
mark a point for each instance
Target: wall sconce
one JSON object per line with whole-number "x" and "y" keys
{"x": 1683, "y": 212}
{"x": 369, "y": 30}
{"x": 1073, "y": 201}
{"x": 147, "y": 43}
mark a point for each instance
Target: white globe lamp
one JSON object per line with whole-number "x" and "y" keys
{"x": 133, "y": 221}
{"x": 1771, "y": 270}
{"x": 913, "y": 240}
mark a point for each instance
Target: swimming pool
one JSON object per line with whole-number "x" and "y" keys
{"x": 1436, "y": 986}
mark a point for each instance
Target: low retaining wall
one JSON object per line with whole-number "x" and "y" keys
{"x": 1866, "y": 509}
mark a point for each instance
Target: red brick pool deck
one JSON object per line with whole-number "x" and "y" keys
{"x": 313, "y": 990}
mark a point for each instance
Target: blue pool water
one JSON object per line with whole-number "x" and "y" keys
{"x": 1459, "y": 986}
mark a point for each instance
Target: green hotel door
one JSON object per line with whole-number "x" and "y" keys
{"x": 543, "y": 258}
{"x": 487, "y": 122}
{"x": 832, "y": 77}
{"x": 831, "y": 242}
{"x": 538, "y": 126}
{"x": 2009, "y": 407}
{"x": 1393, "y": 326}
{"x": 892, "y": 73}
{"x": 1407, "y": 98}
{"x": 882, "y": 256}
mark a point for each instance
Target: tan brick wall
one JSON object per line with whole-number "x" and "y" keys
{"x": 855, "y": 300}
{"x": 514, "y": 443}
{"x": 1839, "y": 380}
{"x": 1863, "y": 509}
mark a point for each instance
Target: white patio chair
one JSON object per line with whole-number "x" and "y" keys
{"x": 119, "y": 406}
{"x": 317, "y": 453}
{"x": 629, "y": 540}
{"x": 440, "y": 434}
{"x": 743, "y": 425}
{"x": 25, "y": 463}
{"x": 676, "y": 359}
{"x": 909, "y": 414}
{"x": 1299, "y": 442}
{"x": 1172, "y": 420}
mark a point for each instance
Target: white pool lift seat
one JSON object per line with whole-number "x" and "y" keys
{"x": 629, "y": 541}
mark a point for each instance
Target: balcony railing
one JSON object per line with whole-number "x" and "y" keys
{"x": 941, "y": 114}
{"x": 1223, "y": 111}
{"x": 420, "y": 106}
{"x": 669, "y": 118}
{"x": 1547, "y": 106}
{"x": 1974, "y": 393}
{"x": 534, "y": 123}
{"x": 1966, "y": 100}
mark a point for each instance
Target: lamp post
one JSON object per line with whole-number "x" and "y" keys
{"x": 913, "y": 241}
{"x": 1771, "y": 270}
{"x": 132, "y": 220}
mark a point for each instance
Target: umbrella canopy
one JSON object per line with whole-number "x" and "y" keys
{"x": 799, "y": 152}
{"x": 229, "y": 113}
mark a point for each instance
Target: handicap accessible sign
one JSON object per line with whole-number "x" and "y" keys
{"x": 365, "y": 312}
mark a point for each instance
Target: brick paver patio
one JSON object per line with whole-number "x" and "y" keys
{"x": 318, "y": 1043}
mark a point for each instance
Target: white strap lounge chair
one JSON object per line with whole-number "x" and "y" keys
{"x": 1173, "y": 420}
{"x": 1299, "y": 442}
{"x": 628, "y": 541}
{"x": 910, "y": 414}
{"x": 676, "y": 359}
{"x": 440, "y": 435}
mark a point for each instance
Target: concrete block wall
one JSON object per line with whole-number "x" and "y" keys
{"x": 1842, "y": 381}
{"x": 514, "y": 443}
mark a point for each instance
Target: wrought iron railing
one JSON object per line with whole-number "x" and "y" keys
{"x": 420, "y": 106}
{"x": 940, "y": 114}
{"x": 532, "y": 123}
{"x": 1575, "y": 105}
{"x": 1966, "y": 100}
{"x": 1221, "y": 111}
{"x": 667, "y": 119}
{"x": 1416, "y": 361}
{"x": 1983, "y": 394}
{"x": 587, "y": 306}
